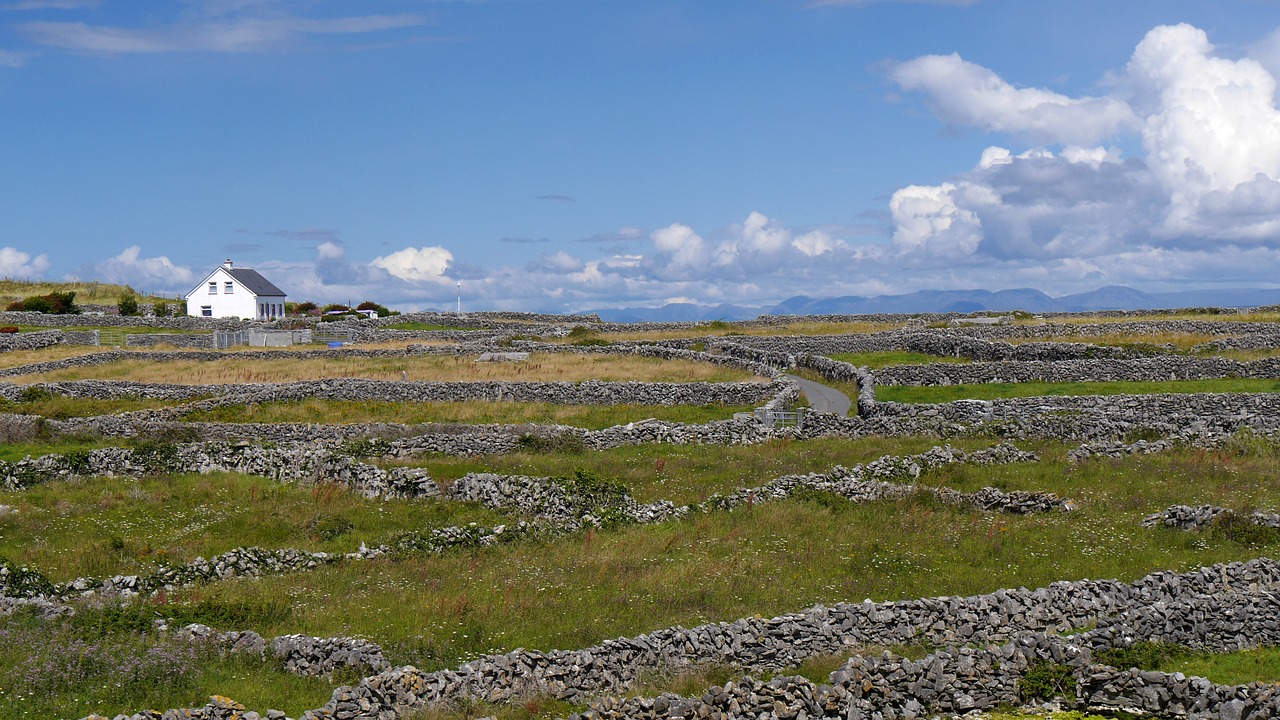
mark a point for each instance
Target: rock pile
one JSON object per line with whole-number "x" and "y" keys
{"x": 1186, "y": 517}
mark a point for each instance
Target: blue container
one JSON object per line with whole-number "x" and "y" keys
{"x": 335, "y": 345}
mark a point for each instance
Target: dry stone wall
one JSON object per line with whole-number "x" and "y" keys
{"x": 1009, "y": 616}
{"x": 590, "y": 392}
{"x": 30, "y": 340}
{"x": 1161, "y": 368}
{"x": 180, "y": 322}
{"x": 940, "y": 343}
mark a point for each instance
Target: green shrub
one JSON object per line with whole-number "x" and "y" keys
{"x": 22, "y": 581}
{"x": 584, "y": 336}
{"x": 1240, "y": 528}
{"x": 1144, "y": 655}
{"x": 821, "y": 498}
{"x": 566, "y": 443}
{"x": 34, "y": 393}
{"x": 55, "y": 303}
{"x": 1046, "y": 680}
{"x": 161, "y": 309}
{"x": 128, "y": 305}
{"x": 366, "y": 447}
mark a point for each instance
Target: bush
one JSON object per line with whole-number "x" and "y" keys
{"x": 34, "y": 393}
{"x": 366, "y": 447}
{"x": 55, "y": 303}
{"x": 128, "y": 305}
{"x": 370, "y": 305}
{"x": 161, "y": 309}
{"x": 1240, "y": 528}
{"x": 1144, "y": 655}
{"x": 22, "y": 581}
{"x": 822, "y": 498}
{"x": 302, "y": 308}
{"x": 1046, "y": 680}
{"x": 571, "y": 444}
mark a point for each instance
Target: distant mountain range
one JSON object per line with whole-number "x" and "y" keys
{"x": 1115, "y": 297}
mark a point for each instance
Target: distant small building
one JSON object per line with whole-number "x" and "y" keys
{"x": 232, "y": 292}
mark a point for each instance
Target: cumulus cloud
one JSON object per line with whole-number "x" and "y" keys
{"x": 424, "y": 264}
{"x": 143, "y": 273}
{"x": 17, "y": 264}
{"x": 1215, "y": 129}
{"x": 1207, "y": 184}
{"x": 964, "y": 93}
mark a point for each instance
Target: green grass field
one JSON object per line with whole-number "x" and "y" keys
{"x": 541, "y": 592}
{"x": 438, "y": 611}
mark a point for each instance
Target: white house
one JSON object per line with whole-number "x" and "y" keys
{"x": 232, "y": 292}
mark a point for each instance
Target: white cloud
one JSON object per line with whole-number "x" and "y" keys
{"x": 963, "y": 93}
{"x": 1208, "y": 181}
{"x": 817, "y": 242}
{"x": 680, "y": 253}
{"x": 157, "y": 273}
{"x": 236, "y": 34}
{"x": 424, "y": 264}
{"x": 928, "y": 221}
{"x": 557, "y": 262}
{"x": 17, "y": 264}
{"x": 1215, "y": 129}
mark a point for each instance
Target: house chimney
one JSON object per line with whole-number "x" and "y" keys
{"x": 227, "y": 264}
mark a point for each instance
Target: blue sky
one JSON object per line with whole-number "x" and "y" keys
{"x": 580, "y": 154}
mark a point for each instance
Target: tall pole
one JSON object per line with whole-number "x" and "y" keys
{"x": 459, "y": 297}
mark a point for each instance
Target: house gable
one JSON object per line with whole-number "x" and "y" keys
{"x": 230, "y": 292}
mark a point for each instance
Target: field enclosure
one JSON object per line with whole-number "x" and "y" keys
{"x": 333, "y": 495}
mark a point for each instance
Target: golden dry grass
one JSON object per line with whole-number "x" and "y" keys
{"x": 1249, "y": 355}
{"x": 18, "y": 358}
{"x": 1181, "y": 341}
{"x": 87, "y": 293}
{"x": 240, "y": 368}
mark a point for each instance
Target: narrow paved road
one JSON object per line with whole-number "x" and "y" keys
{"x": 823, "y": 398}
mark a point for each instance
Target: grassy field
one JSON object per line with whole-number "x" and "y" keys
{"x": 59, "y": 407}
{"x": 591, "y": 417}
{"x": 992, "y": 391}
{"x": 429, "y": 368}
{"x": 87, "y": 293}
{"x": 107, "y": 526}
{"x": 876, "y": 360}
{"x": 1180, "y": 341}
{"x": 438, "y": 611}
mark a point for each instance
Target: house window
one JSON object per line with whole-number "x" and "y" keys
{"x": 228, "y": 288}
{"x": 213, "y": 288}
{"x": 206, "y": 311}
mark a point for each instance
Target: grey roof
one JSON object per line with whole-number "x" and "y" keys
{"x": 257, "y": 284}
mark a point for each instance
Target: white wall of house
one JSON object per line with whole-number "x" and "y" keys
{"x": 222, "y": 296}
